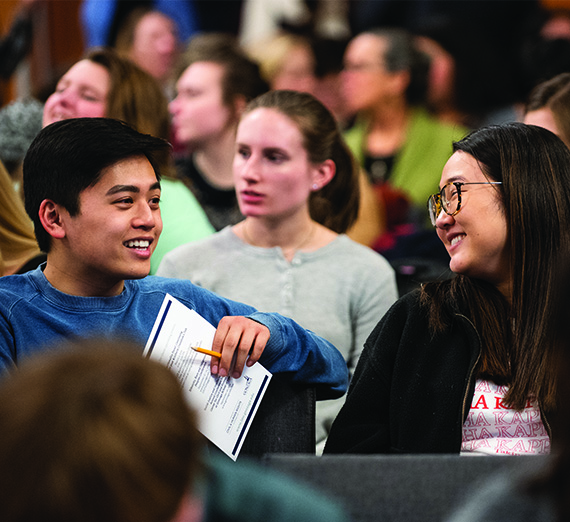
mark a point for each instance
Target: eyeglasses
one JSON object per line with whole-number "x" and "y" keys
{"x": 362, "y": 67}
{"x": 449, "y": 198}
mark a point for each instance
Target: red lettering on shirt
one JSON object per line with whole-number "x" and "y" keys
{"x": 504, "y": 432}
{"x": 538, "y": 446}
{"x": 519, "y": 447}
{"x": 520, "y": 431}
{"x": 501, "y": 390}
{"x": 500, "y": 417}
{"x": 476, "y": 419}
{"x": 518, "y": 418}
{"x": 537, "y": 429}
{"x": 499, "y": 403}
{"x": 503, "y": 447}
{"x": 533, "y": 415}
{"x": 481, "y": 401}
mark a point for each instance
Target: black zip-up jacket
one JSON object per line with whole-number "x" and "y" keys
{"x": 411, "y": 390}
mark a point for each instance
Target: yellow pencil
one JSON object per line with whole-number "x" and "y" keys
{"x": 206, "y": 351}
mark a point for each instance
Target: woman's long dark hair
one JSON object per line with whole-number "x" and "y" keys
{"x": 553, "y": 481}
{"x": 517, "y": 336}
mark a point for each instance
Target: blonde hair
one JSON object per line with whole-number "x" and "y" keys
{"x": 17, "y": 240}
{"x": 271, "y": 54}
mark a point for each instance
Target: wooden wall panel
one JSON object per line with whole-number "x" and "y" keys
{"x": 57, "y": 43}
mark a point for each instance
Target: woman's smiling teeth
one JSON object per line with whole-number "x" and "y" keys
{"x": 143, "y": 243}
{"x": 457, "y": 239}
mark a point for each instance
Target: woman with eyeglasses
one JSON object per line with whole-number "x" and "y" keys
{"x": 467, "y": 365}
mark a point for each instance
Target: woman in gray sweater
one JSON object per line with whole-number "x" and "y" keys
{"x": 298, "y": 186}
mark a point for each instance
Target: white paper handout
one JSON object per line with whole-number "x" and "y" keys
{"x": 225, "y": 406}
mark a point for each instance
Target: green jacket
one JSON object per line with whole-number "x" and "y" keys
{"x": 183, "y": 219}
{"x": 418, "y": 165}
{"x": 245, "y": 491}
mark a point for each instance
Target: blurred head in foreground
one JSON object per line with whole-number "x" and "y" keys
{"x": 94, "y": 433}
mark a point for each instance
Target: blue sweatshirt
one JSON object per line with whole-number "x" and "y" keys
{"x": 34, "y": 315}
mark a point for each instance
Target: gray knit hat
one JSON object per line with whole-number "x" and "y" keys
{"x": 20, "y": 122}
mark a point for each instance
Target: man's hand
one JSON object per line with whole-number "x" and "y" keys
{"x": 239, "y": 333}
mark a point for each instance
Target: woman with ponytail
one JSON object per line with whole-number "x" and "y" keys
{"x": 298, "y": 187}
{"x": 468, "y": 365}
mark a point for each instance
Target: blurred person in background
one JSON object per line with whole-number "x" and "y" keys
{"x": 400, "y": 145}
{"x": 101, "y": 20}
{"x": 286, "y": 62}
{"x": 215, "y": 81}
{"x": 548, "y": 106}
{"x": 290, "y": 61}
{"x": 394, "y": 138}
{"x": 150, "y": 39}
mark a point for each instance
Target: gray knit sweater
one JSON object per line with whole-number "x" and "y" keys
{"x": 340, "y": 291}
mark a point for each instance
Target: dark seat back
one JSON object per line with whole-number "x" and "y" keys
{"x": 390, "y": 488}
{"x": 285, "y": 420}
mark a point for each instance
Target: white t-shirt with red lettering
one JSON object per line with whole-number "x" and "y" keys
{"x": 492, "y": 428}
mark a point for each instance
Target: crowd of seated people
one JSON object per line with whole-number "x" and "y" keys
{"x": 302, "y": 228}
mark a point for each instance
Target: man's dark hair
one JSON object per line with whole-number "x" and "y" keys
{"x": 68, "y": 156}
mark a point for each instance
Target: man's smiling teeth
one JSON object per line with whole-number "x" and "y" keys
{"x": 138, "y": 244}
{"x": 456, "y": 239}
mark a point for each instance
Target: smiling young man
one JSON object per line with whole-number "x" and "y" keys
{"x": 93, "y": 192}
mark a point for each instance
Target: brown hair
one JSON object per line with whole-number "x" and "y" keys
{"x": 553, "y": 481}
{"x": 134, "y": 95}
{"x": 136, "y": 98}
{"x": 241, "y": 75}
{"x": 126, "y": 32}
{"x": 95, "y": 433}
{"x": 554, "y": 95}
{"x": 517, "y": 338}
{"x": 336, "y": 204}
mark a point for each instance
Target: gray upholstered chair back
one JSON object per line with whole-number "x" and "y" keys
{"x": 392, "y": 488}
{"x": 285, "y": 420}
